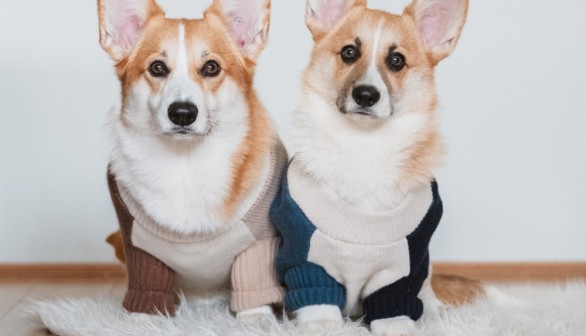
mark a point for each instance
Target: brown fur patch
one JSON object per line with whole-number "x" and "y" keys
{"x": 455, "y": 291}
{"x": 260, "y": 135}
{"x": 117, "y": 242}
{"x": 424, "y": 156}
{"x": 248, "y": 160}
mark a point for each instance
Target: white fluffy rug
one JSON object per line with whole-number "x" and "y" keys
{"x": 537, "y": 311}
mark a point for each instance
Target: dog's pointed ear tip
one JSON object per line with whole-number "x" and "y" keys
{"x": 121, "y": 23}
{"x": 440, "y": 24}
{"x": 248, "y": 25}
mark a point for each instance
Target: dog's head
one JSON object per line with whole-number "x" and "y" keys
{"x": 181, "y": 78}
{"x": 370, "y": 65}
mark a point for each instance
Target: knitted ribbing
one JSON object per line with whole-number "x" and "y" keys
{"x": 309, "y": 284}
{"x": 150, "y": 282}
{"x": 389, "y": 306}
{"x": 151, "y": 287}
{"x": 259, "y": 287}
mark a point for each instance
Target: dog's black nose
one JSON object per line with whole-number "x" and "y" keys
{"x": 182, "y": 114}
{"x": 365, "y": 95}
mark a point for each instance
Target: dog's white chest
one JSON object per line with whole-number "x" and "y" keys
{"x": 181, "y": 186}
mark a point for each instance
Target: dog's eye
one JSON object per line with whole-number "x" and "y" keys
{"x": 350, "y": 54}
{"x": 210, "y": 69}
{"x": 396, "y": 61}
{"x": 158, "y": 69}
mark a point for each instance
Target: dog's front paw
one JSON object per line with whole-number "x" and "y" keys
{"x": 396, "y": 326}
{"x": 321, "y": 316}
{"x": 261, "y": 317}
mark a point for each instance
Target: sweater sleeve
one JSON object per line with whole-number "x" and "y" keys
{"x": 254, "y": 278}
{"x": 150, "y": 282}
{"x": 401, "y": 297}
{"x": 307, "y": 283}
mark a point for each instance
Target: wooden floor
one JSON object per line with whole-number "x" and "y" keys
{"x": 16, "y": 297}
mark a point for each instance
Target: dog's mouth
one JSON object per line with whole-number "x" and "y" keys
{"x": 179, "y": 132}
{"x": 358, "y": 112}
{"x": 365, "y": 113}
{"x": 361, "y": 114}
{"x": 182, "y": 130}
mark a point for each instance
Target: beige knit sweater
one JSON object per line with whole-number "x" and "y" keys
{"x": 161, "y": 262}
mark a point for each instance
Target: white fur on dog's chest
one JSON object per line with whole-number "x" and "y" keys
{"x": 182, "y": 186}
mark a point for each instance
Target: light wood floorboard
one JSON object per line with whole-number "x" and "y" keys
{"x": 16, "y": 321}
{"x": 118, "y": 290}
{"x": 10, "y": 295}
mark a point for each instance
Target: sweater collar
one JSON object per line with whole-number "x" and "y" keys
{"x": 340, "y": 220}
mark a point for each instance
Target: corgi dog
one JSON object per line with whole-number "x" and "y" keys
{"x": 359, "y": 202}
{"x": 195, "y": 160}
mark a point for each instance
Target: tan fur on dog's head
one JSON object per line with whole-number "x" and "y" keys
{"x": 373, "y": 69}
{"x": 186, "y": 84}
{"x": 135, "y": 33}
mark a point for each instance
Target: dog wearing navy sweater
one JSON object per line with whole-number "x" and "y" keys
{"x": 359, "y": 202}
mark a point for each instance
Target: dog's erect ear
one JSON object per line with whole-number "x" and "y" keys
{"x": 440, "y": 24}
{"x": 248, "y": 22}
{"x": 121, "y": 22}
{"x": 323, "y": 15}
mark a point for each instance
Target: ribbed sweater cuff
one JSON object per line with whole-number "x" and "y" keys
{"x": 254, "y": 278}
{"x": 242, "y": 301}
{"x": 309, "y": 284}
{"x": 149, "y": 302}
{"x": 299, "y": 298}
{"x": 387, "y": 306}
{"x": 150, "y": 284}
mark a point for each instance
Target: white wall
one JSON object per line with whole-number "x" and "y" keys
{"x": 513, "y": 114}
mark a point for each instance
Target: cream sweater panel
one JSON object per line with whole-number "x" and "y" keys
{"x": 364, "y": 251}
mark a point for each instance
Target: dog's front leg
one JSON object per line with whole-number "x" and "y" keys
{"x": 393, "y": 309}
{"x": 151, "y": 283}
{"x": 324, "y": 314}
{"x": 395, "y": 326}
{"x": 314, "y": 296}
{"x": 255, "y": 286}
{"x": 261, "y": 317}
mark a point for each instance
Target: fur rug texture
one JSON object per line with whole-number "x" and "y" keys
{"x": 531, "y": 310}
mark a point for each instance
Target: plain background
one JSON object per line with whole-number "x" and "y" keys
{"x": 513, "y": 114}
